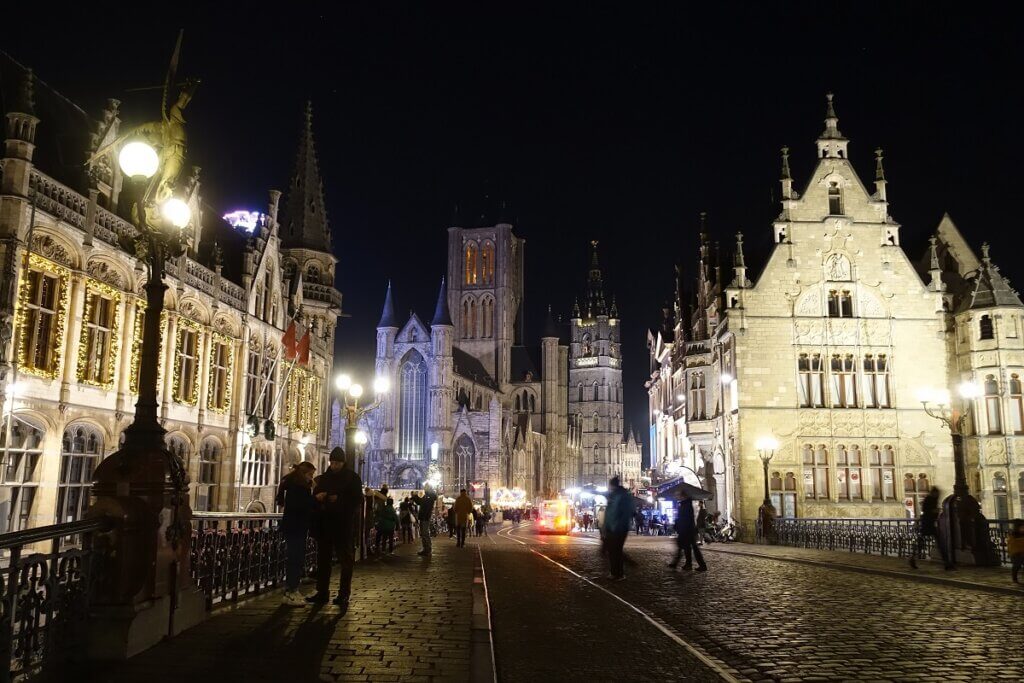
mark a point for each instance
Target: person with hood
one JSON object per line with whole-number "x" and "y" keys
{"x": 387, "y": 522}
{"x": 338, "y": 493}
{"x": 618, "y": 518}
{"x": 295, "y": 495}
{"x": 425, "y": 504}
{"x": 462, "y": 509}
{"x": 686, "y": 538}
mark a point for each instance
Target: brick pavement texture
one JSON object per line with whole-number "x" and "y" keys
{"x": 409, "y": 620}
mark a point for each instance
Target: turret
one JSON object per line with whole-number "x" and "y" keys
{"x": 879, "y": 176}
{"x": 20, "y": 141}
{"x": 831, "y": 143}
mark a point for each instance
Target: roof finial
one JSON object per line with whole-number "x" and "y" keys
{"x": 830, "y": 110}
{"x": 785, "y": 163}
{"x": 831, "y": 143}
{"x": 879, "y": 171}
{"x": 738, "y": 258}
{"x": 933, "y": 252}
{"x": 984, "y": 253}
{"x": 576, "y": 308}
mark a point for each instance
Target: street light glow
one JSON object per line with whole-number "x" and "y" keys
{"x": 767, "y": 443}
{"x": 381, "y": 385}
{"x": 355, "y": 391}
{"x": 924, "y": 395}
{"x": 361, "y": 437}
{"x": 176, "y": 212}
{"x": 726, "y": 378}
{"x": 138, "y": 160}
{"x": 343, "y": 382}
{"x": 969, "y": 389}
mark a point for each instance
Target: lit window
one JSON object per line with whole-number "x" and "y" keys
{"x": 835, "y": 200}
{"x": 883, "y": 473}
{"x": 1016, "y": 415}
{"x": 992, "y": 412}
{"x": 412, "y": 401}
{"x": 206, "y": 477}
{"x": 815, "y": 471}
{"x": 876, "y": 381}
{"x": 42, "y": 301}
{"x": 999, "y": 501}
{"x": 487, "y": 263}
{"x": 843, "y": 387}
{"x": 472, "y": 274}
{"x": 848, "y": 472}
{"x": 81, "y": 449}
{"x": 811, "y": 380}
{"x": 20, "y": 474}
{"x": 185, "y": 367}
{"x": 97, "y": 334}
{"x": 220, "y": 364}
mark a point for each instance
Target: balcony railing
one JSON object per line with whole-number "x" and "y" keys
{"x": 890, "y": 537}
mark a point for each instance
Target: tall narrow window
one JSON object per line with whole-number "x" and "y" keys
{"x": 97, "y": 335}
{"x": 252, "y": 381}
{"x": 269, "y": 375}
{"x": 186, "y": 364}
{"x": 595, "y": 392}
{"x": 81, "y": 449}
{"x": 992, "y": 412}
{"x": 848, "y": 472}
{"x": 985, "y": 327}
{"x": 883, "y": 473}
{"x": 206, "y": 477}
{"x": 835, "y": 200}
{"x": 999, "y": 501}
{"x": 220, "y": 369}
{"x": 783, "y": 494}
{"x": 41, "y": 303}
{"x": 412, "y": 421}
{"x": 1016, "y": 415}
{"x": 580, "y": 391}
{"x": 595, "y": 423}
{"x": 810, "y": 381}
{"x": 840, "y": 303}
{"x": 20, "y": 474}
{"x": 815, "y": 471}
{"x": 472, "y": 274}
{"x": 487, "y": 318}
{"x": 843, "y": 382}
{"x": 1020, "y": 490}
{"x": 876, "y": 381}
{"x": 487, "y": 261}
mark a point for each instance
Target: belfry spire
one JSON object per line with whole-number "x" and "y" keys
{"x": 387, "y": 315}
{"x": 595, "y": 286}
{"x": 831, "y": 143}
{"x": 305, "y": 224}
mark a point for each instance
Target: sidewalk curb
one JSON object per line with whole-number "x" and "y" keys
{"x": 481, "y": 649}
{"x": 840, "y": 566}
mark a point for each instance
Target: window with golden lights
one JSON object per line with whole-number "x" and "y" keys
{"x": 42, "y": 299}
{"x": 487, "y": 263}
{"x": 186, "y": 366}
{"x": 220, "y": 374}
{"x": 472, "y": 264}
{"x": 96, "y": 361}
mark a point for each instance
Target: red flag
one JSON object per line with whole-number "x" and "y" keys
{"x": 288, "y": 341}
{"x": 302, "y": 350}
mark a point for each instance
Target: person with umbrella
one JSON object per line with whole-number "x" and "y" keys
{"x": 686, "y": 529}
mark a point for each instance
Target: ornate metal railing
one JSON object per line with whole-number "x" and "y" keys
{"x": 893, "y": 537}
{"x": 235, "y": 555}
{"x": 45, "y": 593}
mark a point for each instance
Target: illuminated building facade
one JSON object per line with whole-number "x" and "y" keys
{"x": 72, "y": 310}
{"x": 826, "y": 351}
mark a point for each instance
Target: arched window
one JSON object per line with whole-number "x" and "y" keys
{"x": 533, "y": 403}
{"x": 180, "y": 447}
{"x": 206, "y": 477}
{"x": 987, "y": 331}
{"x": 472, "y": 272}
{"x": 464, "y": 455}
{"x": 518, "y": 405}
{"x": 815, "y": 461}
{"x": 848, "y": 471}
{"x": 487, "y": 318}
{"x": 412, "y": 420}
{"x": 479, "y": 403}
{"x": 783, "y": 494}
{"x": 883, "y": 472}
{"x": 992, "y": 412}
{"x": 580, "y": 387}
{"x": 595, "y": 423}
{"x": 1016, "y": 416}
{"x": 595, "y": 391}
{"x": 1000, "y": 503}
{"x": 597, "y": 454}
{"x": 81, "y": 450}
{"x": 20, "y": 474}
{"x": 487, "y": 261}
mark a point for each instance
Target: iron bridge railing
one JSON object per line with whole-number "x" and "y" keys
{"x": 891, "y": 537}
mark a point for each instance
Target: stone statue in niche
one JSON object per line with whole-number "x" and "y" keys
{"x": 837, "y": 267}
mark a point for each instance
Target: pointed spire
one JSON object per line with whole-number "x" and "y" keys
{"x": 550, "y": 326}
{"x": 614, "y": 311}
{"x": 785, "y": 163}
{"x": 990, "y": 289}
{"x": 25, "y": 102}
{"x": 934, "y": 270}
{"x": 576, "y": 308}
{"x": 739, "y": 265}
{"x": 305, "y": 223}
{"x": 387, "y": 315}
{"x": 441, "y": 314}
{"x": 831, "y": 143}
{"x": 595, "y": 286}
{"x": 879, "y": 171}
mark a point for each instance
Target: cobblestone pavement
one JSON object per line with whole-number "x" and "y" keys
{"x": 768, "y": 619}
{"x": 409, "y": 620}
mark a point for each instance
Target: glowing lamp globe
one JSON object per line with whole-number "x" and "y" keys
{"x": 343, "y": 382}
{"x": 969, "y": 390}
{"x": 361, "y": 438}
{"x": 355, "y": 391}
{"x": 138, "y": 160}
{"x": 176, "y": 212}
{"x": 925, "y": 395}
{"x": 767, "y": 443}
{"x": 726, "y": 378}
{"x": 381, "y": 385}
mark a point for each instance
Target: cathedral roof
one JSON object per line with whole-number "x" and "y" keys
{"x": 988, "y": 289}
{"x": 525, "y": 359}
{"x": 470, "y": 368}
{"x": 387, "y": 315}
{"x": 305, "y": 215}
{"x": 441, "y": 314}
{"x": 551, "y": 327}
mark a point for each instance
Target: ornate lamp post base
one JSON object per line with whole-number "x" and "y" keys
{"x": 968, "y": 537}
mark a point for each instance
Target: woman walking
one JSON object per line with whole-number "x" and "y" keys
{"x": 295, "y": 495}
{"x": 387, "y": 520}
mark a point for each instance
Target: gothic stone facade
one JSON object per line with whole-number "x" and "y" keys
{"x": 72, "y": 306}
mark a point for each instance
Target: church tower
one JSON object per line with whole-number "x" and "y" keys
{"x": 485, "y": 295}
{"x": 595, "y": 379}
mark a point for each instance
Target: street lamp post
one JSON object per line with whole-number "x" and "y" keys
{"x": 766, "y": 447}
{"x": 970, "y": 531}
{"x": 351, "y": 392}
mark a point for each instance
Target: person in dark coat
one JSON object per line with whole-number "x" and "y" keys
{"x": 686, "y": 539}
{"x": 929, "y": 527}
{"x": 618, "y": 517}
{"x": 295, "y": 495}
{"x": 338, "y": 493}
{"x": 425, "y": 505}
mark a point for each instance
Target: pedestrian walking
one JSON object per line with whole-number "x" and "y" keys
{"x": 451, "y": 520}
{"x": 295, "y": 495}
{"x": 425, "y": 504}
{"x": 1015, "y": 547}
{"x": 686, "y": 538}
{"x": 928, "y": 527}
{"x": 618, "y": 517}
{"x": 387, "y": 521}
{"x": 338, "y": 493}
{"x": 405, "y": 520}
{"x": 461, "y": 510}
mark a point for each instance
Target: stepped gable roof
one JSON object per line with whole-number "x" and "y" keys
{"x": 988, "y": 288}
{"x": 470, "y": 368}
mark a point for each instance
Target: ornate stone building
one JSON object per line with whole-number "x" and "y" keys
{"x": 72, "y": 310}
{"x": 470, "y": 401}
{"x": 826, "y": 351}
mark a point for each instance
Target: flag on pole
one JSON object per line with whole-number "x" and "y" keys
{"x": 302, "y": 350}
{"x": 288, "y": 342}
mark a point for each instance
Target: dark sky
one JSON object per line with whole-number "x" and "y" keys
{"x": 592, "y": 124}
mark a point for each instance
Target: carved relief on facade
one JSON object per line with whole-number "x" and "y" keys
{"x": 837, "y": 268}
{"x": 869, "y": 304}
{"x": 810, "y": 332}
{"x": 875, "y": 333}
{"x": 842, "y": 332}
{"x": 995, "y": 451}
{"x": 809, "y": 303}
{"x": 47, "y": 247}
{"x": 985, "y": 359}
{"x": 880, "y": 423}
{"x": 847, "y": 423}
{"x": 815, "y": 422}
{"x": 102, "y": 271}
{"x": 913, "y": 452}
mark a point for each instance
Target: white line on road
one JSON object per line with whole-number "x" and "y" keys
{"x": 715, "y": 665}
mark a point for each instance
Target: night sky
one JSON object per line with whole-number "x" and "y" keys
{"x": 589, "y": 123}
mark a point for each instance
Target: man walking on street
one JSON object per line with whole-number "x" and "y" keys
{"x": 338, "y": 493}
{"x": 928, "y": 526}
{"x": 463, "y": 508}
{"x": 686, "y": 540}
{"x": 425, "y": 503}
{"x": 617, "y": 519}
